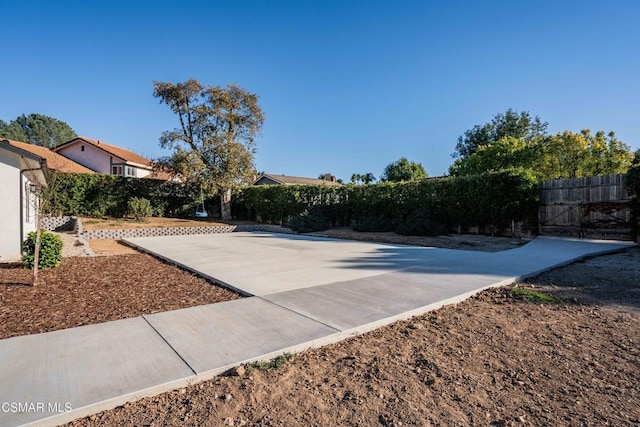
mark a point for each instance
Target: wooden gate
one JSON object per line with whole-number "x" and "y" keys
{"x": 595, "y": 207}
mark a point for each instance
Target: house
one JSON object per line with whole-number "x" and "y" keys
{"x": 271, "y": 179}
{"x": 22, "y": 173}
{"x": 54, "y": 160}
{"x": 107, "y": 159}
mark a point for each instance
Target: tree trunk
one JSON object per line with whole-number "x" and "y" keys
{"x": 36, "y": 252}
{"x": 225, "y": 204}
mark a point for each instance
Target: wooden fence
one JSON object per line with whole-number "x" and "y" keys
{"x": 594, "y": 207}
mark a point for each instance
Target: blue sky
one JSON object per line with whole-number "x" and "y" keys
{"x": 346, "y": 86}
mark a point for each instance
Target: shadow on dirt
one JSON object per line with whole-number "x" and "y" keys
{"x": 608, "y": 280}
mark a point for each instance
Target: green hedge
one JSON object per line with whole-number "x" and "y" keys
{"x": 98, "y": 195}
{"x": 489, "y": 200}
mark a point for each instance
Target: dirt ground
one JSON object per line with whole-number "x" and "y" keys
{"x": 110, "y": 247}
{"x": 86, "y": 290}
{"x": 496, "y": 359}
{"x": 467, "y": 242}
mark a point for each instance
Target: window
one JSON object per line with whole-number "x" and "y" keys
{"x": 82, "y": 148}
{"x": 131, "y": 171}
{"x": 116, "y": 170}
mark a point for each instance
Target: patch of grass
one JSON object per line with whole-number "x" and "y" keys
{"x": 533, "y": 296}
{"x": 275, "y": 363}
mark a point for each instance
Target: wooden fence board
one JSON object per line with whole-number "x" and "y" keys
{"x": 596, "y": 207}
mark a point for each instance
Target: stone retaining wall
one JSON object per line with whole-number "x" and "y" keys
{"x": 60, "y": 223}
{"x": 179, "y": 231}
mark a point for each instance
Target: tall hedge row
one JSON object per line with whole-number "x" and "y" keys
{"x": 99, "y": 195}
{"x": 488, "y": 200}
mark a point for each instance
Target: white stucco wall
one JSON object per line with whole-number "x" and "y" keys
{"x": 12, "y": 194}
{"x": 92, "y": 157}
{"x": 141, "y": 173}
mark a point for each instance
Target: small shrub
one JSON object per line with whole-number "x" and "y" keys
{"x": 418, "y": 223}
{"x": 140, "y": 208}
{"x": 373, "y": 224}
{"x": 275, "y": 363}
{"x": 313, "y": 219}
{"x": 50, "y": 250}
{"x": 533, "y": 296}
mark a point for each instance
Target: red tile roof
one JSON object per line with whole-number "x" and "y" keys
{"x": 54, "y": 160}
{"x": 123, "y": 153}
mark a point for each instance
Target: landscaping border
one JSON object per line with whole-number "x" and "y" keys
{"x": 180, "y": 231}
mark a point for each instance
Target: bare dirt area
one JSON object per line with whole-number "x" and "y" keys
{"x": 467, "y": 242}
{"x": 498, "y": 359}
{"x": 87, "y": 290}
{"x": 613, "y": 280}
{"x": 151, "y": 222}
{"x": 107, "y": 247}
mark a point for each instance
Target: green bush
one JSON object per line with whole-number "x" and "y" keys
{"x": 313, "y": 219}
{"x": 373, "y": 224}
{"x": 140, "y": 208}
{"x": 632, "y": 183}
{"x": 97, "y": 195}
{"x": 50, "y": 250}
{"x": 419, "y": 223}
{"x": 489, "y": 201}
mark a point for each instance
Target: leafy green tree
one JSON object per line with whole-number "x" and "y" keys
{"x": 510, "y": 124}
{"x": 403, "y": 170}
{"x": 564, "y": 155}
{"x": 507, "y": 153}
{"x": 633, "y": 175}
{"x": 12, "y": 130}
{"x": 37, "y": 129}
{"x": 572, "y": 155}
{"x": 215, "y": 141}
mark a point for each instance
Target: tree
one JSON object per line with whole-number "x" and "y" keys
{"x": 365, "y": 178}
{"x": 327, "y": 176}
{"x": 633, "y": 188}
{"x": 509, "y": 124}
{"x": 565, "y": 155}
{"x": 368, "y": 178}
{"x": 403, "y": 170}
{"x": 215, "y": 142}
{"x": 508, "y": 152}
{"x": 573, "y": 155}
{"x": 37, "y": 129}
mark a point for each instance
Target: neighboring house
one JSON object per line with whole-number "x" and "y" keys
{"x": 271, "y": 179}
{"x": 54, "y": 160}
{"x": 107, "y": 159}
{"x": 21, "y": 173}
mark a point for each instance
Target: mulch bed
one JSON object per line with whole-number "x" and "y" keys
{"x": 97, "y": 289}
